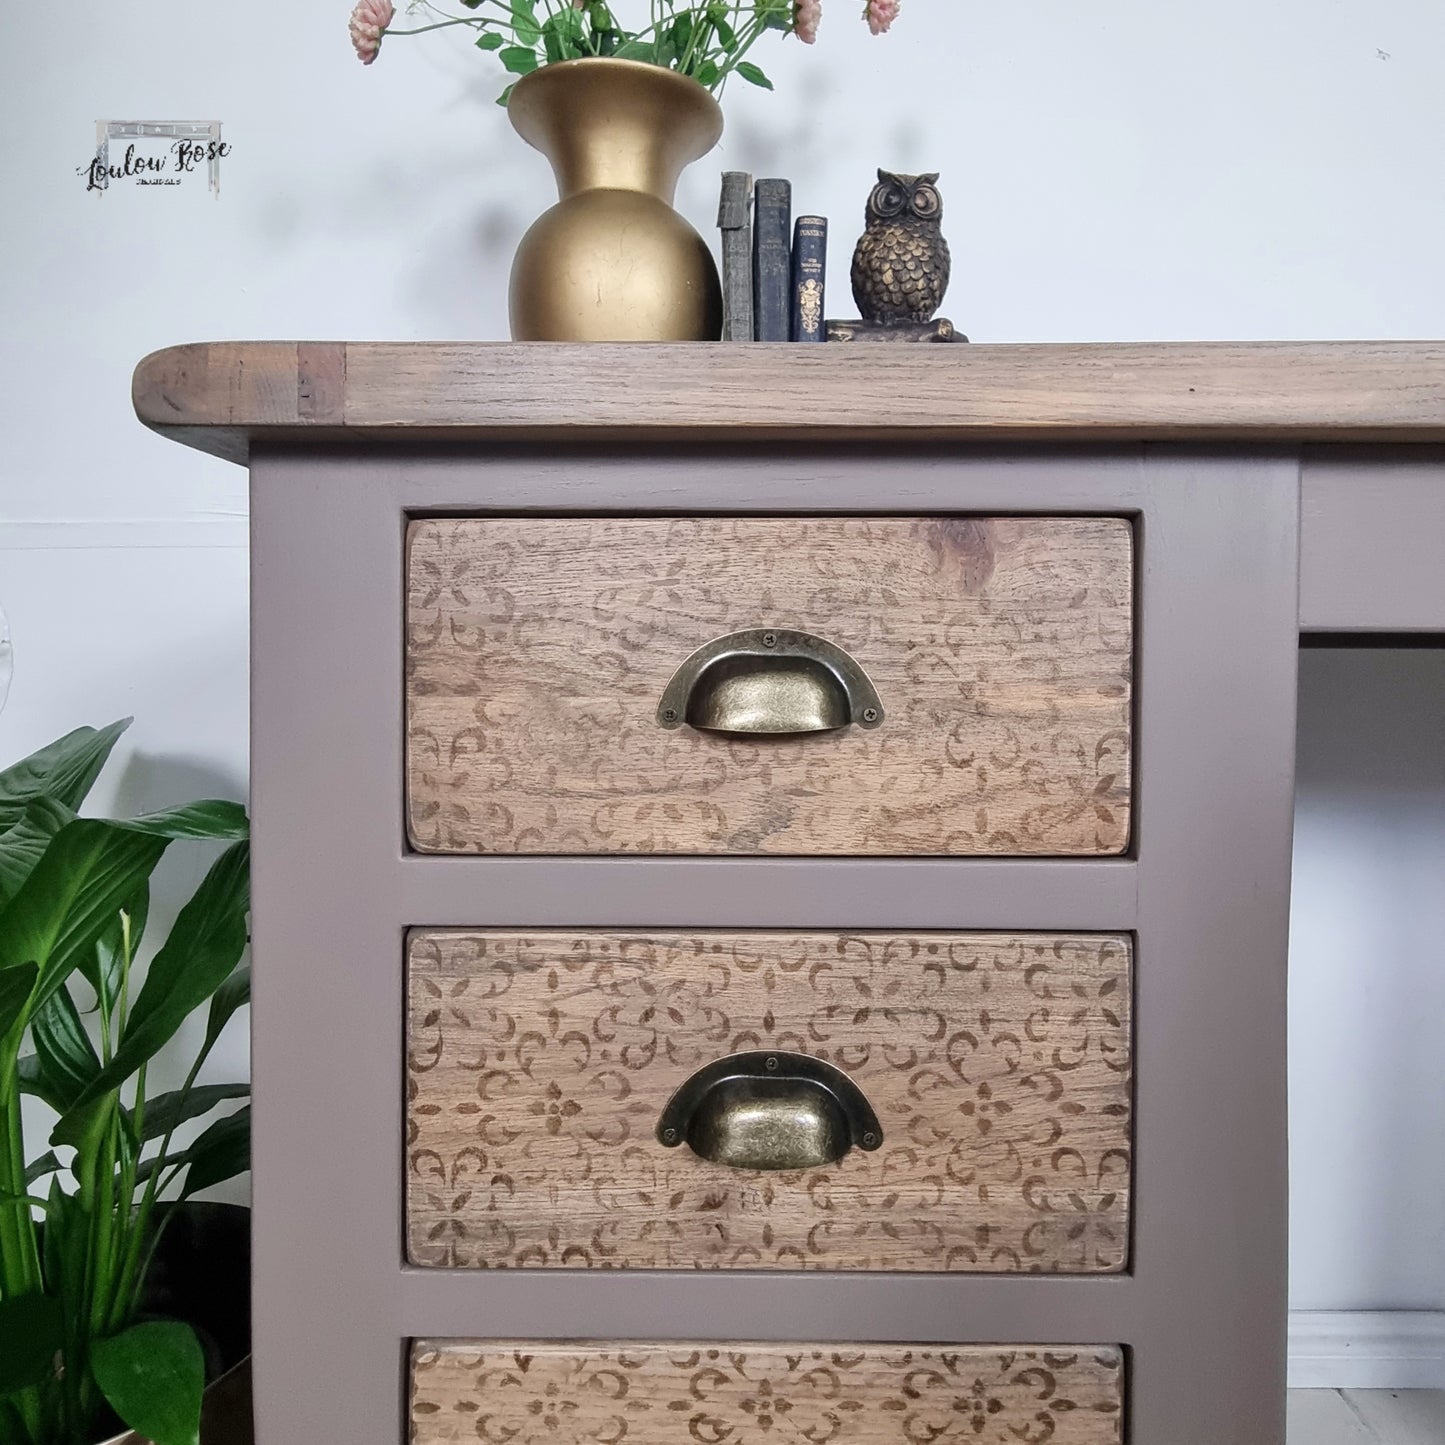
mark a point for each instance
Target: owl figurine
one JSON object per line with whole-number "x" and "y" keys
{"x": 901, "y": 266}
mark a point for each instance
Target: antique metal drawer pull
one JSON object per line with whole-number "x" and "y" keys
{"x": 769, "y": 1110}
{"x": 769, "y": 680}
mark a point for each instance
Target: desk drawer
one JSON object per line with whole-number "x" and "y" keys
{"x": 532, "y": 1393}
{"x": 935, "y": 1101}
{"x": 969, "y": 681}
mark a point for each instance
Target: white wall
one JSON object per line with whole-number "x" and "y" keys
{"x": 1121, "y": 169}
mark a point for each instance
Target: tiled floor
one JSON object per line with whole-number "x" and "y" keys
{"x": 1366, "y": 1417}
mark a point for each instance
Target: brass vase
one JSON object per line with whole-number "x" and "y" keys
{"x": 612, "y": 260}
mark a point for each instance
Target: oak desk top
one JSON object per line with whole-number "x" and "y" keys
{"x": 220, "y": 396}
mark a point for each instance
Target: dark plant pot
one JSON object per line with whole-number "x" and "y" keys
{"x": 202, "y": 1274}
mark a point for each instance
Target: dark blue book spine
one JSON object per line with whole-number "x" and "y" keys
{"x": 810, "y": 274}
{"x": 772, "y": 222}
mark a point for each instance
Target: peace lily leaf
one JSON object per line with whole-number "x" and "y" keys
{"x": 25, "y": 844}
{"x": 63, "y": 1052}
{"x": 16, "y": 985}
{"x": 64, "y": 1243}
{"x": 204, "y": 945}
{"x": 232, "y": 995}
{"x": 166, "y": 1111}
{"x": 221, "y": 1153}
{"x": 153, "y": 1374}
{"x": 34, "y": 1083}
{"x": 46, "y": 1164}
{"x": 89, "y": 870}
{"x": 212, "y": 818}
{"x": 101, "y": 968}
{"x": 32, "y": 1330}
{"x": 64, "y": 771}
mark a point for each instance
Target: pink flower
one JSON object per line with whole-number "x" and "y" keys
{"x": 806, "y": 15}
{"x": 368, "y": 20}
{"x": 880, "y": 14}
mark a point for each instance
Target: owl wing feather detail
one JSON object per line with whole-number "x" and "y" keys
{"x": 901, "y": 270}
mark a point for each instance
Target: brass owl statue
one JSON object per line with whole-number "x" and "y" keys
{"x": 901, "y": 265}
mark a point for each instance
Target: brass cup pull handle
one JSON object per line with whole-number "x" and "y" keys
{"x": 769, "y": 680}
{"x": 769, "y": 1110}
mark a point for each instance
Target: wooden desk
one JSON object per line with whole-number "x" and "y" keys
{"x": 468, "y": 559}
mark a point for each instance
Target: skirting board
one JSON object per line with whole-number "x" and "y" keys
{"x": 1358, "y": 1350}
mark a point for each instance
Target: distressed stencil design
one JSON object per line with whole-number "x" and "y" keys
{"x": 506, "y": 1393}
{"x": 998, "y": 1065}
{"x": 537, "y": 650}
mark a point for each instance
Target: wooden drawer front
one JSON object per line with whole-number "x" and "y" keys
{"x": 538, "y": 650}
{"x": 529, "y": 1393}
{"x": 998, "y": 1067}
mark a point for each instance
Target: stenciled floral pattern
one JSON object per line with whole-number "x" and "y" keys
{"x": 657, "y": 1394}
{"x": 998, "y": 1065}
{"x": 537, "y": 650}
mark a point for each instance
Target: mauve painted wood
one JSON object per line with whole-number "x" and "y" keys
{"x": 1372, "y": 541}
{"x": 1219, "y": 613}
{"x": 1089, "y": 895}
{"x": 1204, "y": 1313}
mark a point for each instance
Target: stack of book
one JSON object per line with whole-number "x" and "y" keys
{"x": 774, "y": 269}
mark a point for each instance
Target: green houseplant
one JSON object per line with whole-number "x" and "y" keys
{"x": 82, "y": 1015}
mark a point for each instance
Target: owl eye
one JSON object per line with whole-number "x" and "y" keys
{"x": 888, "y": 200}
{"x": 925, "y": 202}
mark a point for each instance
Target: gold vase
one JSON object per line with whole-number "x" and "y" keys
{"x": 612, "y": 260}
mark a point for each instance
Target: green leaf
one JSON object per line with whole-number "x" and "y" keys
{"x": 91, "y": 868}
{"x": 234, "y": 994}
{"x": 517, "y": 59}
{"x": 27, "y": 1071}
{"x": 46, "y": 1164}
{"x": 63, "y": 1051}
{"x": 32, "y": 1330}
{"x": 221, "y": 1153}
{"x": 204, "y": 945}
{"x": 706, "y": 73}
{"x": 637, "y": 50}
{"x": 153, "y": 1374}
{"x": 726, "y": 34}
{"x": 489, "y": 39}
{"x": 101, "y": 969}
{"x": 64, "y": 1243}
{"x": 24, "y": 845}
{"x": 506, "y": 95}
{"x": 524, "y": 23}
{"x": 774, "y": 15}
{"x": 753, "y": 75}
{"x": 63, "y": 771}
{"x": 212, "y": 818}
{"x": 562, "y": 36}
{"x": 16, "y": 986}
{"x": 166, "y": 1111}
